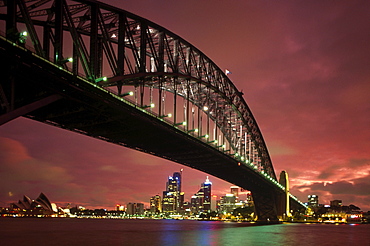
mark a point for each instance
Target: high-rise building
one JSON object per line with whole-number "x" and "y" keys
{"x": 156, "y": 204}
{"x": 202, "y": 200}
{"x": 135, "y": 208}
{"x": 313, "y": 201}
{"x": 173, "y": 198}
{"x": 206, "y": 187}
{"x": 235, "y": 191}
{"x": 227, "y": 203}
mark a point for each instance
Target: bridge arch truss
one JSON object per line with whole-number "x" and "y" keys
{"x": 145, "y": 64}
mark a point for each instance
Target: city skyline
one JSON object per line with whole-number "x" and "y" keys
{"x": 303, "y": 69}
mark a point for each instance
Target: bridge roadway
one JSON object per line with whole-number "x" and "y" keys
{"x": 48, "y": 94}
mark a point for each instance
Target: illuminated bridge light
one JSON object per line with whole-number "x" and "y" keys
{"x": 152, "y": 105}
{"x": 166, "y": 115}
{"x": 130, "y": 93}
{"x": 205, "y": 108}
{"x": 204, "y": 136}
{"x": 213, "y": 141}
{"x": 194, "y": 130}
{"x": 181, "y": 123}
{"x": 101, "y": 79}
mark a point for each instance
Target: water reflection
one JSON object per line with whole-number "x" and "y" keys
{"x": 215, "y": 233}
{"x": 173, "y": 232}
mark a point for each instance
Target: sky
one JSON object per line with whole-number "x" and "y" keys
{"x": 303, "y": 67}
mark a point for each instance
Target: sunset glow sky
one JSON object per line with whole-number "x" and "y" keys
{"x": 304, "y": 69}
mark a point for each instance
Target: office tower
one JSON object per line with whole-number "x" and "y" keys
{"x": 234, "y": 190}
{"x": 227, "y": 203}
{"x": 201, "y": 201}
{"x": 173, "y": 198}
{"x": 206, "y": 187}
{"x": 156, "y": 204}
{"x": 313, "y": 201}
{"x": 135, "y": 209}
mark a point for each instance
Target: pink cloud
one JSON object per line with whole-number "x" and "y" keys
{"x": 304, "y": 69}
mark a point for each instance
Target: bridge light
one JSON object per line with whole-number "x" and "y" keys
{"x": 64, "y": 61}
{"x": 205, "y": 108}
{"x": 152, "y": 105}
{"x": 181, "y": 123}
{"x": 130, "y": 93}
{"x": 22, "y": 37}
{"x": 214, "y": 141}
{"x": 204, "y": 136}
{"x": 194, "y": 130}
{"x": 166, "y": 115}
{"x": 101, "y": 79}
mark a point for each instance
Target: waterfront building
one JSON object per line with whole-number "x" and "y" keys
{"x": 227, "y": 203}
{"x": 313, "y": 201}
{"x": 336, "y": 205}
{"x": 156, "y": 204}
{"x": 207, "y": 188}
{"x": 135, "y": 209}
{"x": 173, "y": 197}
{"x": 120, "y": 207}
{"x": 235, "y": 191}
{"x": 202, "y": 200}
{"x": 249, "y": 199}
{"x": 41, "y": 206}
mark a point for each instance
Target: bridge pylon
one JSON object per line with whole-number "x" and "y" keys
{"x": 283, "y": 201}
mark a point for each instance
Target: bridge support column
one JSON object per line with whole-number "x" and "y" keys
{"x": 283, "y": 199}
{"x": 265, "y": 204}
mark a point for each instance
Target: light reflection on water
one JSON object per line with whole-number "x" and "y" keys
{"x": 58, "y": 231}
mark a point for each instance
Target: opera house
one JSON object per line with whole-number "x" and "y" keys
{"x": 39, "y": 207}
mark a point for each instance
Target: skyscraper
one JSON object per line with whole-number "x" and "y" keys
{"x": 156, "y": 204}
{"x": 173, "y": 198}
{"x": 313, "y": 201}
{"x": 201, "y": 201}
{"x": 235, "y": 191}
{"x": 206, "y": 187}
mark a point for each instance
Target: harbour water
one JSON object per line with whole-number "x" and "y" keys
{"x": 64, "y": 231}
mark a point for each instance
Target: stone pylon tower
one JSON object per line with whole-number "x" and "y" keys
{"x": 284, "y": 201}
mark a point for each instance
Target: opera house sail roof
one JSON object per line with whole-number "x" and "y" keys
{"x": 40, "y": 205}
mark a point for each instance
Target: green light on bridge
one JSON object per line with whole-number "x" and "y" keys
{"x": 181, "y": 123}
{"x": 130, "y": 93}
{"x": 101, "y": 79}
{"x": 166, "y": 115}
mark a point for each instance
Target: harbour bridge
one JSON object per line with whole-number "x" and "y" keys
{"x": 98, "y": 70}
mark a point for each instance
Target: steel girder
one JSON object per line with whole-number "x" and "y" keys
{"x": 133, "y": 51}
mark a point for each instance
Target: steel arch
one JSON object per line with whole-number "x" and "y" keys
{"x": 133, "y": 51}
